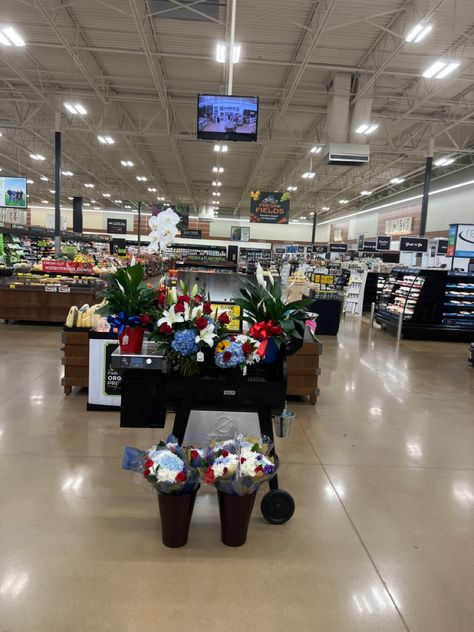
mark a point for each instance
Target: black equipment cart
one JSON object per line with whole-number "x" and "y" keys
{"x": 148, "y": 393}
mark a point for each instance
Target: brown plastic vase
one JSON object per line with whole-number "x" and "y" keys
{"x": 176, "y": 511}
{"x": 235, "y": 512}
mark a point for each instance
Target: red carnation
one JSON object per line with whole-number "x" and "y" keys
{"x": 145, "y": 319}
{"x": 259, "y": 468}
{"x": 198, "y": 299}
{"x": 179, "y": 308}
{"x": 146, "y": 472}
{"x": 224, "y": 318}
{"x": 207, "y": 309}
{"x": 149, "y": 463}
{"x": 224, "y": 453}
{"x": 242, "y": 459}
{"x": 209, "y": 476}
{"x": 226, "y": 470}
{"x": 165, "y": 329}
{"x": 226, "y": 356}
{"x": 184, "y": 298}
{"x": 247, "y": 348}
{"x": 194, "y": 454}
{"x": 181, "y": 477}
{"x": 201, "y": 323}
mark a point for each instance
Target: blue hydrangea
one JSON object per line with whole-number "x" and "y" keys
{"x": 184, "y": 342}
{"x": 238, "y": 357}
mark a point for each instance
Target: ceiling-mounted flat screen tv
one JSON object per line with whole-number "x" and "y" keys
{"x": 224, "y": 117}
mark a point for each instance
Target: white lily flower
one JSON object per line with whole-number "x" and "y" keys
{"x": 196, "y": 312}
{"x": 259, "y": 275}
{"x": 206, "y": 335}
{"x": 194, "y": 291}
{"x": 186, "y": 312}
{"x": 174, "y": 296}
{"x": 170, "y": 317}
{"x": 272, "y": 280}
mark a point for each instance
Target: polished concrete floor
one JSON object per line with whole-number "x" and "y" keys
{"x": 382, "y": 471}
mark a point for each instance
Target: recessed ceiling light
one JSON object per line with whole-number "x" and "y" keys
{"x": 44, "y": 178}
{"x": 30, "y": 181}
{"x": 309, "y": 175}
{"x": 37, "y": 157}
{"x": 217, "y": 169}
{"x": 316, "y": 149}
{"x": 106, "y": 195}
{"x": 440, "y": 69}
{"x": 152, "y": 189}
{"x": 142, "y": 178}
{"x": 126, "y": 163}
{"x": 89, "y": 185}
{"x": 443, "y": 162}
{"x": 343, "y": 201}
{"x": 75, "y": 108}
{"x": 9, "y": 37}
{"x": 67, "y": 173}
{"x": 366, "y": 192}
{"x": 105, "y": 140}
{"x": 44, "y": 202}
{"x": 397, "y": 180}
{"x": 325, "y": 208}
{"x": 418, "y": 33}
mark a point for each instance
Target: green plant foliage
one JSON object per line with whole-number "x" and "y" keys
{"x": 128, "y": 293}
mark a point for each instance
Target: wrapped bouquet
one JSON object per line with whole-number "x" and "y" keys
{"x": 240, "y": 350}
{"x": 239, "y": 466}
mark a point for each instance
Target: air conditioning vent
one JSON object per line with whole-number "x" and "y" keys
{"x": 347, "y": 154}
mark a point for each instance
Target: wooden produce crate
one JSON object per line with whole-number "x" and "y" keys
{"x": 303, "y": 371}
{"x": 75, "y": 358}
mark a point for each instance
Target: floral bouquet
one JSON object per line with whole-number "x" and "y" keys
{"x": 239, "y": 466}
{"x": 186, "y": 327}
{"x": 166, "y": 467}
{"x": 164, "y": 229}
{"x": 240, "y": 350}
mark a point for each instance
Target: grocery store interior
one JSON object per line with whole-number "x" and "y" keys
{"x": 237, "y": 315}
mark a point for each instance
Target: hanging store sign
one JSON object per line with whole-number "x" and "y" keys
{"x": 269, "y": 207}
{"x": 190, "y": 233}
{"x": 383, "y": 242}
{"x": 370, "y": 246}
{"x": 399, "y": 226}
{"x": 360, "y": 242}
{"x": 13, "y": 216}
{"x": 116, "y": 226}
{"x": 461, "y": 241}
{"x": 320, "y": 248}
{"x": 442, "y": 247}
{"x": 338, "y": 234}
{"x": 337, "y": 247}
{"x": 413, "y": 244}
{"x": 13, "y": 192}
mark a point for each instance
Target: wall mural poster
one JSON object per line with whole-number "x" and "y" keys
{"x": 13, "y": 192}
{"x": 267, "y": 207}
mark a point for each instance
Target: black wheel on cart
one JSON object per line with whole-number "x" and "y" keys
{"x": 277, "y": 506}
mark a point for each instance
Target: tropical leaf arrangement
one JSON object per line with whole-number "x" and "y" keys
{"x": 129, "y": 294}
{"x": 261, "y": 304}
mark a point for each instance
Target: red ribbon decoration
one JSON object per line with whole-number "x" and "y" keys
{"x": 263, "y": 331}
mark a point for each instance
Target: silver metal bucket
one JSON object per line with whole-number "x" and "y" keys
{"x": 283, "y": 423}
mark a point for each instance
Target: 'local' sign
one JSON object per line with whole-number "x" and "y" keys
{"x": 116, "y": 226}
{"x": 413, "y": 244}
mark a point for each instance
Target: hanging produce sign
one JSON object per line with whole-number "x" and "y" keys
{"x": 442, "y": 247}
{"x": 370, "y": 246}
{"x": 116, "y": 226}
{"x": 269, "y": 207}
{"x": 461, "y": 241}
{"x": 337, "y": 247}
{"x": 398, "y": 226}
{"x": 13, "y": 192}
{"x": 320, "y": 248}
{"x": 360, "y": 242}
{"x": 68, "y": 267}
{"x": 191, "y": 233}
{"x": 383, "y": 242}
{"x": 413, "y": 244}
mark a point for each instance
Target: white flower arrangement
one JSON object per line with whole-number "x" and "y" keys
{"x": 164, "y": 228}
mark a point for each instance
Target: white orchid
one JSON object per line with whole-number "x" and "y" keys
{"x": 153, "y": 222}
{"x": 170, "y": 317}
{"x": 206, "y": 335}
{"x": 168, "y": 218}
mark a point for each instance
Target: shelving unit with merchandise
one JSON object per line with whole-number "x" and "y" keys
{"x": 426, "y": 300}
{"x": 354, "y": 293}
{"x": 373, "y": 288}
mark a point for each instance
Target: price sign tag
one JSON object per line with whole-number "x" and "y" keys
{"x": 12, "y": 286}
{"x": 50, "y": 288}
{"x": 65, "y": 289}
{"x": 328, "y": 279}
{"x": 200, "y": 356}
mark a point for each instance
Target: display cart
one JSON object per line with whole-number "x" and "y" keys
{"x": 148, "y": 394}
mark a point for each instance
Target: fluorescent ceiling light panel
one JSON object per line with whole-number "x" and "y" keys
{"x": 37, "y": 157}
{"x": 291, "y": 188}
{"x": 216, "y": 183}
{"x": 9, "y": 37}
{"x": 126, "y": 163}
{"x": 222, "y": 148}
{"x": 325, "y": 208}
{"x": 343, "y": 201}
{"x": 44, "y": 201}
{"x": 372, "y": 128}
{"x": 142, "y": 178}
{"x": 442, "y": 162}
{"x": 105, "y": 140}
{"x": 29, "y": 181}
{"x": 107, "y": 195}
{"x": 44, "y": 178}
{"x": 221, "y": 52}
{"x": 118, "y": 201}
{"x": 366, "y": 192}
{"x": 75, "y": 108}
{"x": 315, "y": 150}
{"x": 67, "y": 173}
{"x": 308, "y": 175}
{"x": 418, "y": 33}
{"x": 397, "y": 180}
{"x": 52, "y": 191}
{"x": 217, "y": 169}
{"x": 440, "y": 69}
{"x": 362, "y": 128}
{"x": 89, "y": 185}
{"x": 127, "y": 206}
{"x": 152, "y": 189}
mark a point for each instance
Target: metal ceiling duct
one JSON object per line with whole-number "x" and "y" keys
{"x": 361, "y": 111}
{"x": 338, "y": 108}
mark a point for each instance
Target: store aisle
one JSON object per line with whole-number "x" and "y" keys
{"x": 382, "y": 471}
